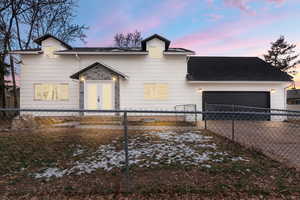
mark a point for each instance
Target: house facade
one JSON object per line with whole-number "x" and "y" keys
{"x": 154, "y": 76}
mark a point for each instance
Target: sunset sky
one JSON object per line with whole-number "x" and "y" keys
{"x": 209, "y": 27}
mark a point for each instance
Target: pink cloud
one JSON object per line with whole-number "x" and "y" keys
{"x": 277, "y": 1}
{"x": 244, "y": 6}
{"x": 226, "y": 37}
{"x": 241, "y": 4}
{"x": 123, "y": 22}
{"x": 9, "y": 78}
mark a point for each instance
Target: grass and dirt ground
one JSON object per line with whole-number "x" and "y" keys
{"x": 66, "y": 163}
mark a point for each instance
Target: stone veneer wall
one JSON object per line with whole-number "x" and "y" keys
{"x": 100, "y": 73}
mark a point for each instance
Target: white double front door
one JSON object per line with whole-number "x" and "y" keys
{"x": 99, "y": 95}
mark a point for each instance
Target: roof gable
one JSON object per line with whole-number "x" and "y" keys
{"x": 77, "y": 74}
{"x": 46, "y": 36}
{"x": 144, "y": 42}
{"x": 233, "y": 69}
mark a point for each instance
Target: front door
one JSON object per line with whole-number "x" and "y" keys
{"x": 99, "y": 95}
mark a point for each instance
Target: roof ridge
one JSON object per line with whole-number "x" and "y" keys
{"x": 197, "y": 56}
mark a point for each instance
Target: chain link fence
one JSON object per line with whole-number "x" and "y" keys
{"x": 127, "y": 151}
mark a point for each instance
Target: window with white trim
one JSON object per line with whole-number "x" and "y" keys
{"x": 51, "y": 92}
{"x": 156, "y": 91}
{"x": 155, "y": 51}
{"x": 49, "y": 51}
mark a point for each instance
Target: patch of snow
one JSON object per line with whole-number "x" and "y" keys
{"x": 182, "y": 137}
{"x": 51, "y": 172}
{"x": 205, "y": 165}
{"x": 239, "y": 159}
{"x": 175, "y": 148}
{"x": 77, "y": 152}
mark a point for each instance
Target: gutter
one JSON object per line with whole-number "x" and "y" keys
{"x": 100, "y": 53}
{"x": 179, "y": 53}
{"x": 222, "y": 82}
{"x": 26, "y": 52}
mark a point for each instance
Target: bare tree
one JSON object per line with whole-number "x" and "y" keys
{"x": 128, "y": 40}
{"x": 21, "y": 21}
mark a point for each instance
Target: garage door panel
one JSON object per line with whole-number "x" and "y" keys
{"x": 222, "y": 100}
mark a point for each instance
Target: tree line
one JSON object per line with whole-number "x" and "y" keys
{"x": 22, "y": 21}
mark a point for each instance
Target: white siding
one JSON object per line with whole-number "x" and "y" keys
{"x": 141, "y": 69}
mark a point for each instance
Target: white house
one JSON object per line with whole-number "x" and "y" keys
{"x": 153, "y": 76}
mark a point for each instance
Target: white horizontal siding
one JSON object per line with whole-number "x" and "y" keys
{"x": 141, "y": 69}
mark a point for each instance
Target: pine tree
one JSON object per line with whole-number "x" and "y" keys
{"x": 282, "y": 55}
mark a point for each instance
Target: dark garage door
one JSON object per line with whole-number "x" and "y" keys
{"x": 217, "y": 101}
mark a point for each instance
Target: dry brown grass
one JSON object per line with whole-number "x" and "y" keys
{"x": 24, "y": 152}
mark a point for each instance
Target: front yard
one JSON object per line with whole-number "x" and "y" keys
{"x": 78, "y": 163}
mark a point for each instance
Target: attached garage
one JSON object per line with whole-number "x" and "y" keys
{"x": 240, "y": 81}
{"x": 234, "y": 101}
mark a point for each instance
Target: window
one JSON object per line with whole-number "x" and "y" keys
{"x": 49, "y": 51}
{"x": 155, "y": 51}
{"x": 156, "y": 91}
{"x": 51, "y": 92}
{"x": 293, "y": 101}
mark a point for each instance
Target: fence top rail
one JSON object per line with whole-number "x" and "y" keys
{"x": 185, "y": 105}
{"x": 258, "y": 108}
{"x": 145, "y": 111}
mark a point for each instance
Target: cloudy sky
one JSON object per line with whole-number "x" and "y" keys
{"x": 209, "y": 27}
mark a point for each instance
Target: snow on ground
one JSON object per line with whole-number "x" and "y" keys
{"x": 148, "y": 150}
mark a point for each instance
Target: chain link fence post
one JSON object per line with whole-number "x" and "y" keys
{"x": 126, "y": 152}
{"x": 204, "y": 116}
{"x": 232, "y": 124}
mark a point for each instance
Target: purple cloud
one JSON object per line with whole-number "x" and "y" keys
{"x": 241, "y": 4}
{"x": 244, "y": 6}
{"x": 226, "y": 37}
{"x": 122, "y": 21}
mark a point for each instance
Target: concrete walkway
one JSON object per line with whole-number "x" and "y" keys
{"x": 278, "y": 140}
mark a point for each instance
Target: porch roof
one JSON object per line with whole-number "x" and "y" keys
{"x": 77, "y": 74}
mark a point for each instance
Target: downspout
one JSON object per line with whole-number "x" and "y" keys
{"x": 285, "y": 94}
{"x": 78, "y": 58}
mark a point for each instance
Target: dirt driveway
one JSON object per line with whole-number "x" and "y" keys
{"x": 279, "y": 140}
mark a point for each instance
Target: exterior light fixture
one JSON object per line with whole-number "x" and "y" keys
{"x": 82, "y": 78}
{"x": 273, "y": 90}
{"x": 114, "y": 78}
{"x": 199, "y": 90}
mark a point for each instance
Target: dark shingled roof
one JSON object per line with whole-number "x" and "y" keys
{"x": 233, "y": 69}
{"x": 34, "y": 49}
{"x": 177, "y": 50}
{"x": 109, "y": 49}
{"x": 167, "y": 42}
{"x": 117, "y": 49}
{"x": 102, "y": 49}
{"x": 46, "y": 36}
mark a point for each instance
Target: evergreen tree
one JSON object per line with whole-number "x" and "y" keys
{"x": 282, "y": 55}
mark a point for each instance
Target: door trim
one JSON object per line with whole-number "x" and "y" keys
{"x": 99, "y": 82}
